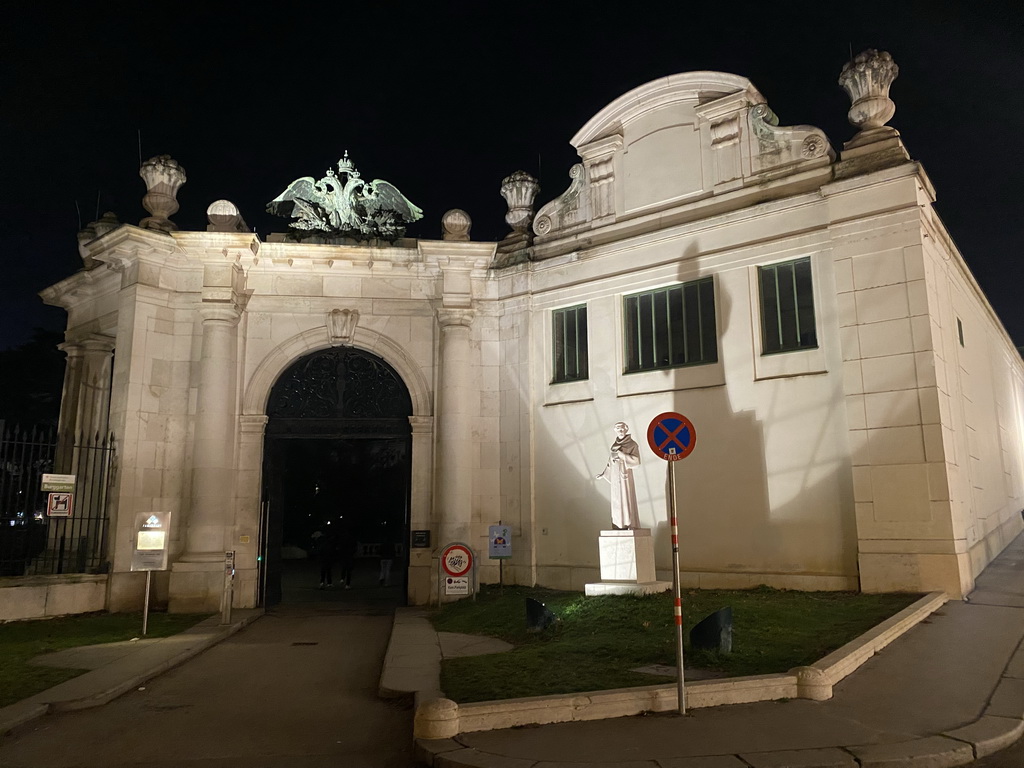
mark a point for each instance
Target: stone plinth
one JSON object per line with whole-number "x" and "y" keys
{"x": 627, "y": 565}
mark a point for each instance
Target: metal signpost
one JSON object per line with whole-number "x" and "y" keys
{"x": 149, "y": 550}
{"x": 457, "y": 562}
{"x": 672, "y": 437}
{"x": 229, "y": 587}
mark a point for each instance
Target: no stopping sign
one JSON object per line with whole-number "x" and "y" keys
{"x": 456, "y": 560}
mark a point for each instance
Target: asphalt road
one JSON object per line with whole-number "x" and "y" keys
{"x": 297, "y": 688}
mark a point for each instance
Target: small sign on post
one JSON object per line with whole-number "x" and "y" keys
{"x": 499, "y": 542}
{"x": 457, "y": 563}
{"x": 673, "y": 437}
{"x": 149, "y": 550}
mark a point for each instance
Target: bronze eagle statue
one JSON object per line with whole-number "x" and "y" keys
{"x": 343, "y": 204}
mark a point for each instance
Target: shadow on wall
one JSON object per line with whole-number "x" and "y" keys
{"x": 766, "y": 496}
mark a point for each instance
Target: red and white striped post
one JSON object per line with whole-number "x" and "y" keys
{"x": 672, "y": 437}
{"x": 676, "y": 589}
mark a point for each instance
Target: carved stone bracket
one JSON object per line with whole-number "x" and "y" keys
{"x": 341, "y": 326}
{"x": 568, "y": 209}
{"x": 786, "y": 145}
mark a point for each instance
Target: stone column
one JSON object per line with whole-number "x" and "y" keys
{"x": 94, "y": 404}
{"x": 85, "y": 399}
{"x": 213, "y": 445}
{"x": 70, "y": 409}
{"x": 454, "y": 427}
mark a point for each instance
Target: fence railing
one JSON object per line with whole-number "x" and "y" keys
{"x": 31, "y": 543}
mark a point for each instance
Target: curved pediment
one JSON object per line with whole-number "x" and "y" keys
{"x": 687, "y": 88}
{"x": 673, "y": 142}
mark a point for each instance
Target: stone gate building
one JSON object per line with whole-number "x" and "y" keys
{"x": 860, "y": 408}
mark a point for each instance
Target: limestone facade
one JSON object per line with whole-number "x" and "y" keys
{"x": 881, "y": 447}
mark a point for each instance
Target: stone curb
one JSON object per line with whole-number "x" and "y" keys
{"x": 439, "y": 718}
{"x": 43, "y": 703}
{"x": 1001, "y": 724}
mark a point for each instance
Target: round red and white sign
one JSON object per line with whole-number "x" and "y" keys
{"x": 456, "y": 560}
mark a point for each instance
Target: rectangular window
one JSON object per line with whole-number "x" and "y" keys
{"x": 569, "y": 337}
{"x": 671, "y": 327}
{"x": 787, "y": 307}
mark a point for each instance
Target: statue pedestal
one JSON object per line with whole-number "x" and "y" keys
{"x": 627, "y": 565}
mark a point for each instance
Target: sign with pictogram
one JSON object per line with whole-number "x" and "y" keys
{"x": 672, "y": 436}
{"x": 456, "y": 560}
{"x": 456, "y": 585}
{"x": 499, "y": 541}
{"x": 60, "y": 504}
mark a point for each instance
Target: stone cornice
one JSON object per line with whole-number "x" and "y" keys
{"x": 218, "y": 245}
{"x": 83, "y": 286}
{"x": 744, "y": 201}
{"x": 456, "y": 254}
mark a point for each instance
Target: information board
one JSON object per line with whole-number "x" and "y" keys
{"x": 152, "y": 541}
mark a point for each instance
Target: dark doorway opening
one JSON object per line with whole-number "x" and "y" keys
{"x": 337, "y": 462}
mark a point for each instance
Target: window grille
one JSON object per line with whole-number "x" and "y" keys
{"x": 569, "y": 343}
{"x": 671, "y": 327}
{"x": 787, "y": 307}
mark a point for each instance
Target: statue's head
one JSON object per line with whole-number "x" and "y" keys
{"x": 621, "y": 429}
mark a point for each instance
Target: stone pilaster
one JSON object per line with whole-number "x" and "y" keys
{"x": 69, "y": 403}
{"x": 197, "y": 580}
{"x": 85, "y": 400}
{"x": 213, "y": 447}
{"x": 420, "y": 573}
{"x": 454, "y": 426}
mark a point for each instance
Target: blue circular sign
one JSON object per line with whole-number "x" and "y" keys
{"x": 672, "y": 436}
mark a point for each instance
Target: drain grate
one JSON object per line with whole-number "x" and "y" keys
{"x": 305, "y": 643}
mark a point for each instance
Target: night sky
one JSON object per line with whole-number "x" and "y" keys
{"x": 446, "y": 100}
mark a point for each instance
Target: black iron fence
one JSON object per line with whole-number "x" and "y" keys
{"x": 31, "y": 541}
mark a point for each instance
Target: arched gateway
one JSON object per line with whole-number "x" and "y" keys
{"x": 336, "y": 471}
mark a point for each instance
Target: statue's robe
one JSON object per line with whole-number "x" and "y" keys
{"x": 625, "y": 454}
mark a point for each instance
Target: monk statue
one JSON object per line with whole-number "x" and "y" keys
{"x": 625, "y": 454}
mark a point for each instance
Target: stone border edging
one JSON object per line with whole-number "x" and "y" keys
{"x": 442, "y": 718}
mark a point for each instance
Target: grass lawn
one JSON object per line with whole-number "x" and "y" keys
{"x": 20, "y": 641}
{"x": 599, "y": 639}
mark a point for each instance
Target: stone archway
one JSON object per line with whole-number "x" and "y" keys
{"x": 337, "y": 452}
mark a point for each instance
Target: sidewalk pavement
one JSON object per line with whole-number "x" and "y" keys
{"x": 949, "y": 691}
{"x": 116, "y": 668}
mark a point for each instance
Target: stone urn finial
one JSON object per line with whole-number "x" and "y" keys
{"x": 519, "y": 191}
{"x": 163, "y": 177}
{"x": 867, "y": 79}
{"x": 455, "y": 225}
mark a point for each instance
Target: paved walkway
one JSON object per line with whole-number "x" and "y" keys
{"x": 947, "y": 692}
{"x": 950, "y": 690}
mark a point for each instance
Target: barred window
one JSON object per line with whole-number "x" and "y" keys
{"x": 569, "y": 337}
{"x": 787, "y": 307}
{"x": 671, "y": 327}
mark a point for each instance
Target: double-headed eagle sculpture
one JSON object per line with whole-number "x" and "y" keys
{"x": 343, "y": 204}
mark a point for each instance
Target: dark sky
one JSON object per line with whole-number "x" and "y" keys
{"x": 446, "y": 100}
